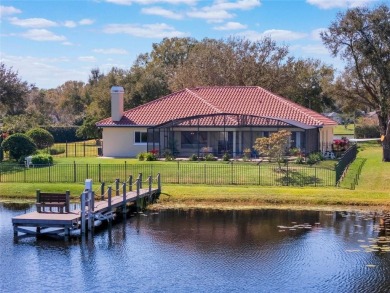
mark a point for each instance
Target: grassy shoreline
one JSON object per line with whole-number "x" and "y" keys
{"x": 372, "y": 192}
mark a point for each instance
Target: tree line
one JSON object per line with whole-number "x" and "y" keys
{"x": 360, "y": 36}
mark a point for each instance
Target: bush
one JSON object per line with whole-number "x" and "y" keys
{"x": 56, "y": 151}
{"x": 300, "y": 160}
{"x": 41, "y": 137}
{"x": 210, "y": 157}
{"x": 64, "y": 133}
{"x": 314, "y": 158}
{"x": 226, "y": 157}
{"x": 168, "y": 155}
{"x": 141, "y": 157}
{"x": 367, "y": 131}
{"x": 150, "y": 156}
{"x": 193, "y": 157}
{"x": 42, "y": 159}
{"x": 19, "y": 146}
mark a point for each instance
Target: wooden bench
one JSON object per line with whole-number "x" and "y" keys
{"x": 50, "y": 200}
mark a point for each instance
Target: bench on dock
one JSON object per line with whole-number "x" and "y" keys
{"x": 52, "y": 200}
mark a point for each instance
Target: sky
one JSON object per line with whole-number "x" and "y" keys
{"x": 53, "y": 41}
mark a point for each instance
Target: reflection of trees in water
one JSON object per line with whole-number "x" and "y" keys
{"x": 206, "y": 229}
{"x": 15, "y": 206}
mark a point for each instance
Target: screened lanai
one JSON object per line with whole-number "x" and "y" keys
{"x": 222, "y": 133}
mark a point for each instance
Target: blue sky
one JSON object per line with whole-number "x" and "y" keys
{"x": 53, "y": 41}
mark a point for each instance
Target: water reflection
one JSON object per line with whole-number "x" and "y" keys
{"x": 202, "y": 251}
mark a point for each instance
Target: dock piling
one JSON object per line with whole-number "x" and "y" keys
{"x": 131, "y": 183}
{"x": 117, "y": 187}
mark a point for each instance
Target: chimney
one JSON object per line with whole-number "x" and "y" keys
{"x": 117, "y": 93}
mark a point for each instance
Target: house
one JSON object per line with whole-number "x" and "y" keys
{"x": 210, "y": 120}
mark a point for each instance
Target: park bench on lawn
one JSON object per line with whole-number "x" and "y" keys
{"x": 52, "y": 200}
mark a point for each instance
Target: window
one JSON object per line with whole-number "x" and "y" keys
{"x": 193, "y": 139}
{"x": 141, "y": 137}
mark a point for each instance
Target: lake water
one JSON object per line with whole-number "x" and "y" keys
{"x": 203, "y": 251}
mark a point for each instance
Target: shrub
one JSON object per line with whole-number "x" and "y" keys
{"x": 210, "y": 157}
{"x": 226, "y": 157}
{"x": 41, "y": 137}
{"x": 168, "y": 155}
{"x": 300, "y": 160}
{"x": 57, "y": 151}
{"x": 19, "y": 146}
{"x": 42, "y": 159}
{"x": 367, "y": 131}
{"x": 64, "y": 133}
{"x": 193, "y": 157}
{"x": 150, "y": 156}
{"x": 141, "y": 157}
{"x": 294, "y": 151}
{"x": 314, "y": 158}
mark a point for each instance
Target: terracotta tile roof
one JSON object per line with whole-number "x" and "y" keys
{"x": 247, "y": 100}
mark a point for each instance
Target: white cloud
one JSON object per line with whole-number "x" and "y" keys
{"x": 42, "y": 35}
{"x": 148, "y": 2}
{"x": 44, "y": 72}
{"x": 274, "y": 34}
{"x": 230, "y": 26}
{"x": 111, "y": 51}
{"x": 87, "y": 59}
{"x": 328, "y": 4}
{"x": 70, "y": 24}
{"x": 32, "y": 22}
{"x": 86, "y": 21}
{"x": 315, "y": 49}
{"x": 315, "y": 34}
{"x": 158, "y": 30}
{"x": 210, "y": 14}
{"x": 8, "y": 10}
{"x": 67, "y": 43}
{"x": 240, "y": 4}
{"x": 155, "y": 10}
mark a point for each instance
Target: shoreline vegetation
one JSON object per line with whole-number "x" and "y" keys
{"x": 371, "y": 194}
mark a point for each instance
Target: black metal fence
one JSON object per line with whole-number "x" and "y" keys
{"x": 347, "y": 158}
{"x": 75, "y": 149}
{"x": 176, "y": 173}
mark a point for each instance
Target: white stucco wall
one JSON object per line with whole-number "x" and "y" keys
{"x": 120, "y": 142}
{"x": 326, "y": 138}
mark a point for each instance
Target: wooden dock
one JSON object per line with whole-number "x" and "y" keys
{"x": 46, "y": 223}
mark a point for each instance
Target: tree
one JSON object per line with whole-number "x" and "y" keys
{"x": 18, "y": 145}
{"x": 274, "y": 146}
{"x": 41, "y": 137}
{"x": 13, "y": 92}
{"x": 88, "y": 129}
{"x": 361, "y": 37}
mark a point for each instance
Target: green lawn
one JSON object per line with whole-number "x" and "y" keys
{"x": 373, "y": 191}
{"x": 342, "y": 130}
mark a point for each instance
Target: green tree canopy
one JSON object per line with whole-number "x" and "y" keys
{"x": 18, "y": 145}
{"x": 41, "y": 137}
{"x": 361, "y": 37}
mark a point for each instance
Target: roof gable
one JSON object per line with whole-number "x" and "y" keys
{"x": 249, "y": 100}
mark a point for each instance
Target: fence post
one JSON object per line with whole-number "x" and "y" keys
{"x": 150, "y": 187}
{"x": 140, "y": 180}
{"x": 109, "y": 195}
{"x": 84, "y": 149}
{"x": 117, "y": 187}
{"x": 87, "y": 170}
{"x": 75, "y": 149}
{"x": 232, "y": 175}
{"x": 287, "y": 174}
{"x": 100, "y": 174}
{"x": 66, "y": 149}
{"x": 131, "y": 183}
{"x": 102, "y": 190}
{"x": 125, "y": 169}
{"x": 159, "y": 182}
{"x": 124, "y": 197}
{"x": 74, "y": 171}
{"x": 178, "y": 172}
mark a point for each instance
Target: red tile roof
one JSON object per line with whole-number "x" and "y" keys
{"x": 247, "y": 100}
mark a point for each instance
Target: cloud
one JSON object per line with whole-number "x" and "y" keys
{"x": 210, "y": 15}
{"x": 45, "y": 72}
{"x": 315, "y": 49}
{"x": 42, "y": 35}
{"x": 70, "y": 24}
{"x": 32, "y": 22}
{"x": 274, "y": 34}
{"x": 111, "y": 51}
{"x": 86, "y": 21}
{"x": 148, "y": 2}
{"x": 241, "y": 5}
{"x": 87, "y": 59}
{"x": 230, "y": 26}
{"x": 155, "y": 10}
{"x": 329, "y": 4}
{"x": 8, "y": 10}
{"x": 158, "y": 30}
{"x": 315, "y": 34}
